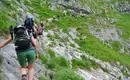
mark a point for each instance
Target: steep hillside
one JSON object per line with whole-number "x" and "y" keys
{"x": 87, "y": 38}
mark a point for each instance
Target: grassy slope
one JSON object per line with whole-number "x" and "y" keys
{"x": 91, "y": 45}
{"x": 4, "y": 13}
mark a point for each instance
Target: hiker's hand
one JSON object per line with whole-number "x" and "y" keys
{"x": 37, "y": 56}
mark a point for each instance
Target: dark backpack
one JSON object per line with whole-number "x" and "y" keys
{"x": 21, "y": 37}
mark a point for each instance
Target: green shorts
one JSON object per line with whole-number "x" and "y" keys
{"x": 26, "y": 56}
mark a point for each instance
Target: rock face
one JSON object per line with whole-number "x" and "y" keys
{"x": 113, "y": 70}
{"x": 95, "y": 75}
{"x": 10, "y": 64}
{"x": 124, "y": 7}
{"x": 72, "y": 6}
{"x": 109, "y": 33}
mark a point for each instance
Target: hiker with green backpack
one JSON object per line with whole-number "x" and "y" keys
{"x": 26, "y": 49}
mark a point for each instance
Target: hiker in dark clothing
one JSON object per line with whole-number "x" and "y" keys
{"x": 29, "y": 24}
{"x": 26, "y": 49}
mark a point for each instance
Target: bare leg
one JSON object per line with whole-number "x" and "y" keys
{"x": 23, "y": 73}
{"x": 23, "y": 70}
{"x": 30, "y": 71}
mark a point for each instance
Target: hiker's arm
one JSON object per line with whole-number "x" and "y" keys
{"x": 34, "y": 43}
{"x": 35, "y": 46}
{"x": 6, "y": 42}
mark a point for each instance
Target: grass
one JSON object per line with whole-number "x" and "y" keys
{"x": 57, "y": 63}
{"x": 116, "y": 45}
{"x": 105, "y": 70}
{"x": 41, "y": 78}
{"x": 43, "y": 10}
{"x": 124, "y": 24}
{"x": 43, "y": 59}
{"x": 84, "y": 63}
{"x": 72, "y": 45}
{"x": 67, "y": 74}
{"x": 125, "y": 73}
{"x": 4, "y": 22}
{"x": 51, "y": 53}
{"x": 4, "y": 16}
{"x": 52, "y": 37}
{"x": 94, "y": 47}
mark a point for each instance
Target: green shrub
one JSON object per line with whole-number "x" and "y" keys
{"x": 57, "y": 62}
{"x": 90, "y": 62}
{"x": 42, "y": 78}
{"x": 116, "y": 45}
{"x": 57, "y": 36}
{"x": 51, "y": 53}
{"x": 67, "y": 74}
{"x": 124, "y": 24}
{"x": 6, "y": 3}
{"x": 105, "y": 70}
{"x": 125, "y": 73}
{"x": 4, "y": 22}
{"x": 84, "y": 64}
{"x": 52, "y": 44}
{"x": 65, "y": 30}
{"x": 72, "y": 45}
{"x": 77, "y": 63}
{"x": 43, "y": 59}
{"x": 52, "y": 37}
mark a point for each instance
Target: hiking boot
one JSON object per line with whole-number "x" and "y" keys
{"x": 24, "y": 77}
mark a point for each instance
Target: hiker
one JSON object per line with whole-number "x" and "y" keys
{"x": 40, "y": 29}
{"x": 26, "y": 49}
{"x": 30, "y": 26}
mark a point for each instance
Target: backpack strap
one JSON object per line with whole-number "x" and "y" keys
{"x": 12, "y": 32}
{"x": 29, "y": 36}
{"x": 31, "y": 21}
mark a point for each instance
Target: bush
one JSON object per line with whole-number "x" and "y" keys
{"x": 57, "y": 62}
{"x": 51, "y": 52}
{"x": 4, "y": 22}
{"x": 84, "y": 63}
{"x": 67, "y": 74}
{"x": 116, "y": 45}
{"x": 42, "y": 78}
{"x": 43, "y": 58}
